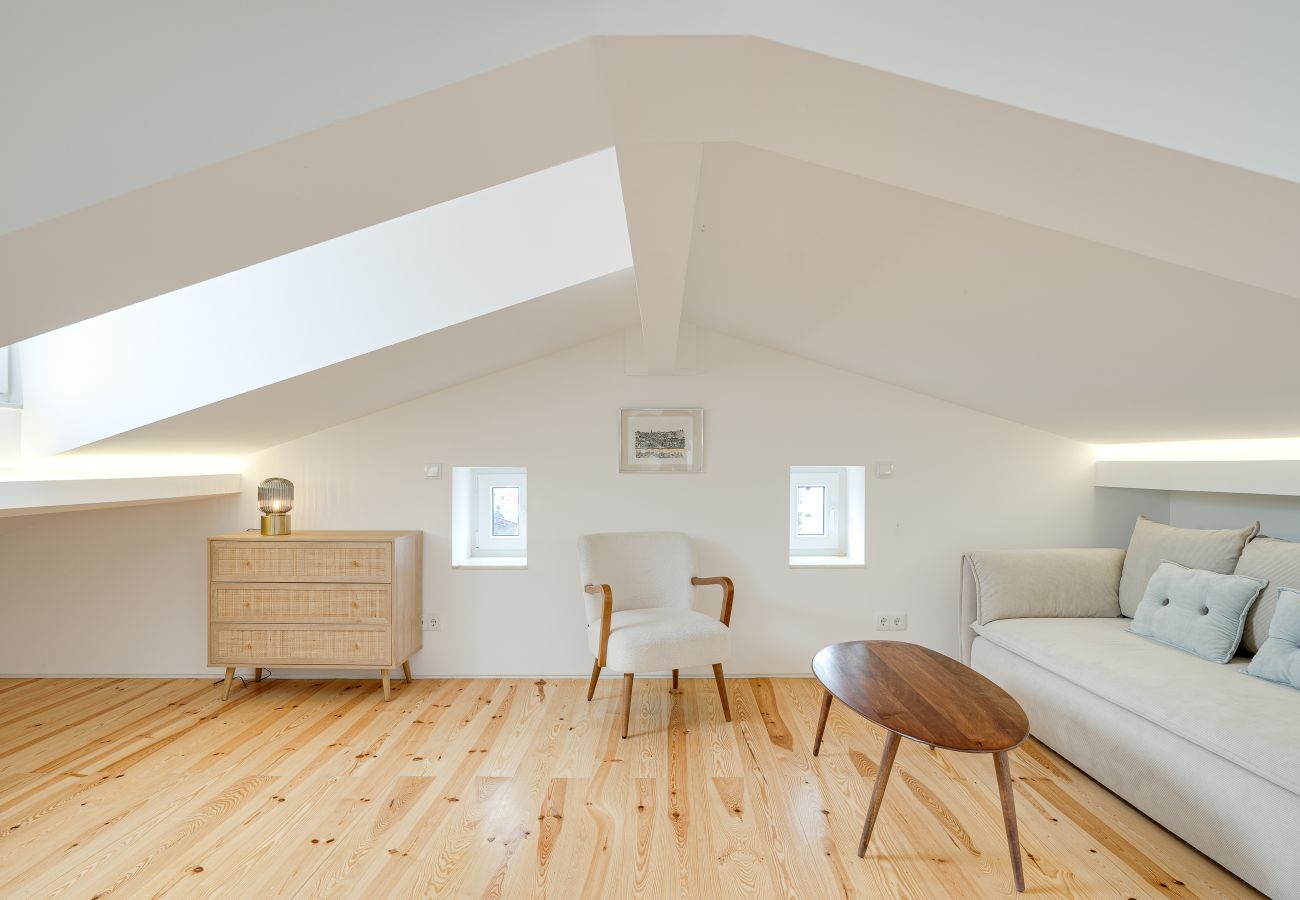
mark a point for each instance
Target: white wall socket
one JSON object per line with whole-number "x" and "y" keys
{"x": 431, "y": 623}
{"x": 891, "y": 622}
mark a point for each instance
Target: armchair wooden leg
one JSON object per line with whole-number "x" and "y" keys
{"x": 627, "y": 699}
{"x": 406, "y": 671}
{"x": 675, "y": 671}
{"x": 722, "y": 690}
{"x": 230, "y": 676}
{"x": 595, "y": 676}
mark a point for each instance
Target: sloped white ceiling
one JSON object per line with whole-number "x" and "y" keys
{"x": 1019, "y": 321}
{"x": 1058, "y": 275}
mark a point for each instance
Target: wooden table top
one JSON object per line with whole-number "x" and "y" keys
{"x": 922, "y": 695}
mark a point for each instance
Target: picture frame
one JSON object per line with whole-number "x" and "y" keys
{"x": 661, "y": 440}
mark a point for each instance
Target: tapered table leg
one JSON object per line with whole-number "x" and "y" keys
{"x": 230, "y": 676}
{"x": 878, "y": 793}
{"x": 1003, "y": 765}
{"x": 595, "y": 676}
{"x": 821, "y": 723}
{"x": 675, "y": 671}
{"x": 388, "y": 690}
{"x": 257, "y": 674}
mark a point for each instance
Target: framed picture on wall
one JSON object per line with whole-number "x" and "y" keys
{"x": 661, "y": 440}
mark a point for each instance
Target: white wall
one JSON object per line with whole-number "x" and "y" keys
{"x": 112, "y": 591}
{"x": 964, "y": 480}
{"x": 1277, "y": 516}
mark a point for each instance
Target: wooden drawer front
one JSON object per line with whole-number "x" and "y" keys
{"x": 328, "y": 646}
{"x": 244, "y": 561}
{"x": 301, "y": 603}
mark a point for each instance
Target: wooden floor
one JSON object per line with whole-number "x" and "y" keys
{"x": 520, "y": 788}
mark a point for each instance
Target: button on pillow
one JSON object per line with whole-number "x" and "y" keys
{"x": 1278, "y": 658}
{"x": 1195, "y": 610}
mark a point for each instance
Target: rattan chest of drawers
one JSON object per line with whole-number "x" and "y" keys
{"x": 315, "y": 599}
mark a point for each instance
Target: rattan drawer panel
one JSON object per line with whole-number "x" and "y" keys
{"x": 233, "y": 644}
{"x": 246, "y": 561}
{"x": 368, "y": 604}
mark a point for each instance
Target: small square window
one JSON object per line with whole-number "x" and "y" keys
{"x": 489, "y": 517}
{"x": 826, "y": 515}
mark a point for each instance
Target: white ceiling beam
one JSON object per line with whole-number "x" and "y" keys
{"x": 660, "y": 181}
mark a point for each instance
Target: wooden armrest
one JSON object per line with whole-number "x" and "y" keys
{"x": 728, "y": 594}
{"x": 606, "y": 611}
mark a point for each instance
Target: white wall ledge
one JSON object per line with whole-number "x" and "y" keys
{"x": 24, "y": 497}
{"x": 1273, "y": 476}
{"x": 491, "y": 562}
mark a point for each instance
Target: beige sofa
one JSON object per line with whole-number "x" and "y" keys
{"x": 1210, "y": 753}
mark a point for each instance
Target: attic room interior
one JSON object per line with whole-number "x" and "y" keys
{"x": 677, "y": 450}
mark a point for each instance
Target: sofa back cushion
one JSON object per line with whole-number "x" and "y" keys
{"x": 1013, "y": 584}
{"x": 1215, "y": 551}
{"x": 1278, "y": 562}
{"x": 1278, "y": 658}
{"x": 1195, "y": 610}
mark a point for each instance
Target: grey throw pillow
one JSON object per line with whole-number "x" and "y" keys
{"x": 1278, "y": 658}
{"x": 1215, "y": 551}
{"x": 1195, "y": 610}
{"x": 1278, "y": 562}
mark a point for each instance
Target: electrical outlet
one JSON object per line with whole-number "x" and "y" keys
{"x": 431, "y": 623}
{"x": 891, "y": 622}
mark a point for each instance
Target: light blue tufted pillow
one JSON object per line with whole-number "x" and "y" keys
{"x": 1278, "y": 658}
{"x": 1196, "y": 610}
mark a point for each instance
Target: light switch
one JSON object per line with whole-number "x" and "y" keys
{"x": 884, "y": 470}
{"x": 433, "y": 470}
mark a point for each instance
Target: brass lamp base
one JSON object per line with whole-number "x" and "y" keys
{"x": 275, "y": 523}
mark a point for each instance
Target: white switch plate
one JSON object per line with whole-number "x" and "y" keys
{"x": 884, "y": 470}
{"x": 891, "y": 622}
{"x": 433, "y": 470}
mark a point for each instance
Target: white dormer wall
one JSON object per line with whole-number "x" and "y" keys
{"x": 334, "y": 301}
{"x": 963, "y": 480}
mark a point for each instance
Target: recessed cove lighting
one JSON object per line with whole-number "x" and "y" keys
{"x": 1200, "y": 451}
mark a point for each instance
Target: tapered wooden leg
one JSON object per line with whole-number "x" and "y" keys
{"x": 878, "y": 793}
{"x": 722, "y": 690}
{"x": 230, "y": 676}
{"x": 627, "y": 699}
{"x": 257, "y": 674}
{"x": 595, "y": 676}
{"x": 406, "y": 671}
{"x": 675, "y": 671}
{"x": 1003, "y": 765}
{"x": 388, "y": 687}
{"x": 821, "y": 723}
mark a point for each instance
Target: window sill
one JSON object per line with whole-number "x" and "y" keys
{"x": 492, "y": 562}
{"x": 826, "y": 562}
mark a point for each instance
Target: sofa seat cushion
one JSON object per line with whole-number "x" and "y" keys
{"x": 661, "y": 638}
{"x": 1248, "y": 721}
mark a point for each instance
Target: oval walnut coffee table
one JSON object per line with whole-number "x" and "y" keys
{"x": 914, "y": 692}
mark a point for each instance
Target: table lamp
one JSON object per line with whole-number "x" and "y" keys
{"x": 275, "y": 499}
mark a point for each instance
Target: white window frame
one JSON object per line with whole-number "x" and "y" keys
{"x": 834, "y": 541}
{"x": 485, "y": 543}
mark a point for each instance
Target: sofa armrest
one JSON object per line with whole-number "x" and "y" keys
{"x": 1022, "y": 584}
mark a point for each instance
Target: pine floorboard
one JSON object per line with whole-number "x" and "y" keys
{"x": 521, "y": 788}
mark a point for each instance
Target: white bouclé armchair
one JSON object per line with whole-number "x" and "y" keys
{"x": 639, "y": 588}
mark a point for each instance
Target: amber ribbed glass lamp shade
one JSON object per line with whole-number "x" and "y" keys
{"x": 275, "y": 499}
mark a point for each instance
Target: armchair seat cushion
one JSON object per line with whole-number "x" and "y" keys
{"x": 661, "y": 638}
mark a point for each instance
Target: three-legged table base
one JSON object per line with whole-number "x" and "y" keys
{"x": 892, "y": 739}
